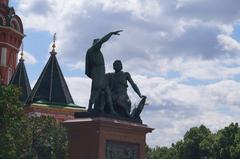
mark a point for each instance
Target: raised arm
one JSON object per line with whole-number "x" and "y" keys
{"x": 134, "y": 86}
{"x": 107, "y": 37}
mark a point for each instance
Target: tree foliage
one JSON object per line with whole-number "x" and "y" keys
{"x": 48, "y": 138}
{"x": 22, "y": 137}
{"x": 201, "y": 143}
{"x": 13, "y": 128}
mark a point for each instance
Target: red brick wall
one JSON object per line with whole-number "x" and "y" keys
{"x": 60, "y": 114}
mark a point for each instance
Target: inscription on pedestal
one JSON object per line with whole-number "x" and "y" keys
{"x": 121, "y": 150}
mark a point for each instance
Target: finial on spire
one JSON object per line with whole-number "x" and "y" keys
{"x": 22, "y": 48}
{"x": 54, "y": 43}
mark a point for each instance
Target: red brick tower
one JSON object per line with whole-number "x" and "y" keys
{"x": 11, "y": 35}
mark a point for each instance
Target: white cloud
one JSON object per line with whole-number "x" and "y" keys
{"x": 189, "y": 40}
{"x": 186, "y": 69}
{"x": 214, "y": 10}
{"x": 226, "y": 29}
{"x": 77, "y": 66}
{"x": 143, "y": 23}
{"x": 28, "y": 58}
{"x": 228, "y": 43}
{"x": 203, "y": 97}
{"x": 142, "y": 10}
{"x": 79, "y": 89}
{"x": 175, "y": 107}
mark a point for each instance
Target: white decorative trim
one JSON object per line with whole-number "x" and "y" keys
{"x": 10, "y": 45}
{"x": 3, "y": 66}
{"x": 18, "y": 32}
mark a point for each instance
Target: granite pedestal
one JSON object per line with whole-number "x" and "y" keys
{"x": 106, "y": 138}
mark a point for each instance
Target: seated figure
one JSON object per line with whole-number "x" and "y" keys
{"x": 118, "y": 83}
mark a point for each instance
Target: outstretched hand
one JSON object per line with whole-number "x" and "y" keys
{"x": 142, "y": 96}
{"x": 117, "y": 32}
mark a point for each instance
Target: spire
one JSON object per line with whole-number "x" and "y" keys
{"x": 51, "y": 87}
{"x": 21, "y": 54}
{"x": 54, "y": 44}
{"x": 20, "y": 79}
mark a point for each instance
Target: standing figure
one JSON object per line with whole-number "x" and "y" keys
{"x": 95, "y": 69}
{"x": 118, "y": 85}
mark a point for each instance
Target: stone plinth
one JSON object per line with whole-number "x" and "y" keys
{"x": 103, "y": 138}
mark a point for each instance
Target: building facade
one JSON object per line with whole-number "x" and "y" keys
{"x": 11, "y": 36}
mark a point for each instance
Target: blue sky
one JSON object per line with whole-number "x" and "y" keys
{"x": 183, "y": 54}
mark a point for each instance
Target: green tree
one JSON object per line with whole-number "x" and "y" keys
{"x": 200, "y": 143}
{"x": 49, "y": 138}
{"x": 160, "y": 153}
{"x": 148, "y": 152}
{"x": 22, "y": 137}
{"x": 14, "y": 140}
{"x": 196, "y": 143}
{"x": 227, "y": 142}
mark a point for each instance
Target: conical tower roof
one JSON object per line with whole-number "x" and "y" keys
{"x": 51, "y": 87}
{"x": 20, "y": 79}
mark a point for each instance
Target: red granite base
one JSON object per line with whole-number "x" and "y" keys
{"x": 103, "y": 138}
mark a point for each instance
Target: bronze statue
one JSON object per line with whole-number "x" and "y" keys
{"x": 118, "y": 85}
{"x": 109, "y": 91}
{"x": 95, "y": 69}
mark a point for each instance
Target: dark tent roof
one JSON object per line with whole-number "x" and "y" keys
{"x": 20, "y": 79}
{"x": 51, "y": 87}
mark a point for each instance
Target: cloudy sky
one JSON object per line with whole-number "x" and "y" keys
{"x": 183, "y": 54}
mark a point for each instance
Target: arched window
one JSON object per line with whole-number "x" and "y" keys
{"x": 2, "y": 20}
{"x": 3, "y": 56}
{"x": 14, "y": 24}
